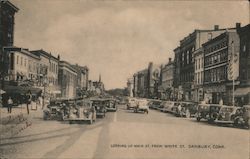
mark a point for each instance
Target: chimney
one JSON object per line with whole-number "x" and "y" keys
{"x": 169, "y": 60}
{"x": 216, "y": 27}
{"x": 238, "y": 26}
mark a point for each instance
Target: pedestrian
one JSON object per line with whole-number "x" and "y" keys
{"x": 28, "y": 100}
{"x": 10, "y": 103}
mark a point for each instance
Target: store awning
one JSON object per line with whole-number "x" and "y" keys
{"x": 22, "y": 90}
{"x": 241, "y": 91}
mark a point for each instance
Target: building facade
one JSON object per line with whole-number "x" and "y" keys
{"x": 48, "y": 73}
{"x": 24, "y": 66}
{"x": 198, "y": 74}
{"x": 7, "y": 21}
{"x": 221, "y": 67}
{"x": 186, "y": 58}
{"x": 242, "y": 93}
{"x": 166, "y": 88}
{"x": 67, "y": 76}
{"x": 130, "y": 86}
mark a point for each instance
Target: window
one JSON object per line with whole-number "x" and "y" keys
{"x": 187, "y": 57}
{"x": 209, "y": 36}
{"x": 244, "y": 48}
{"x": 199, "y": 63}
{"x": 21, "y": 61}
{"x": 17, "y": 59}
{"x": 24, "y": 62}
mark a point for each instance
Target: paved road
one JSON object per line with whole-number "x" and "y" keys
{"x": 125, "y": 134}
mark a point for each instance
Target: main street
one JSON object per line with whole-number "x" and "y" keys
{"x": 125, "y": 134}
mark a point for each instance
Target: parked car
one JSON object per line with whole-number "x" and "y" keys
{"x": 154, "y": 104}
{"x": 228, "y": 114}
{"x": 142, "y": 106}
{"x": 185, "y": 109}
{"x": 110, "y": 105}
{"x": 161, "y": 106}
{"x": 83, "y": 110}
{"x": 242, "y": 118}
{"x": 100, "y": 107}
{"x": 171, "y": 107}
{"x": 202, "y": 111}
{"x": 132, "y": 103}
{"x": 55, "y": 109}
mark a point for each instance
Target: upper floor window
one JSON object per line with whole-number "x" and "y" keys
{"x": 17, "y": 59}
{"x": 187, "y": 57}
{"x": 209, "y": 36}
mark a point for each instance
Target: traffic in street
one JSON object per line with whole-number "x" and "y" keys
{"x": 125, "y": 133}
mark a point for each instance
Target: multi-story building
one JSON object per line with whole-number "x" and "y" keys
{"x": 130, "y": 83}
{"x": 146, "y": 82}
{"x": 23, "y": 65}
{"x": 186, "y": 57}
{"x": 82, "y": 76}
{"x": 67, "y": 76}
{"x": 135, "y": 86}
{"x": 198, "y": 74}
{"x": 178, "y": 95}
{"x": 49, "y": 69}
{"x": 242, "y": 93}
{"x": 221, "y": 67}
{"x": 166, "y": 81}
{"x": 7, "y": 21}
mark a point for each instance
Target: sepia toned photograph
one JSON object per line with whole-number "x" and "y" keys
{"x": 124, "y": 79}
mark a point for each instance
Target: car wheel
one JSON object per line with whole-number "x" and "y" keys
{"x": 198, "y": 119}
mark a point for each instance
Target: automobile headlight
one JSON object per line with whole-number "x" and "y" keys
{"x": 98, "y": 108}
{"x": 85, "y": 111}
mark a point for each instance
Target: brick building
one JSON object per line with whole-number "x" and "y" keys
{"x": 221, "y": 66}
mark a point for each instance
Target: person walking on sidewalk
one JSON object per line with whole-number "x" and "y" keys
{"x": 10, "y": 103}
{"x": 28, "y": 100}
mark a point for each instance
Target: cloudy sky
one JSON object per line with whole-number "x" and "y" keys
{"x": 116, "y": 38}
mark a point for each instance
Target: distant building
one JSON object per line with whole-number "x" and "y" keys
{"x": 82, "y": 76}
{"x": 7, "y": 21}
{"x": 146, "y": 82}
{"x": 166, "y": 80}
{"x": 67, "y": 76}
{"x": 221, "y": 66}
{"x": 242, "y": 93}
{"x": 130, "y": 85}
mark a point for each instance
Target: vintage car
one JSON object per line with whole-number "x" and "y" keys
{"x": 100, "y": 107}
{"x": 209, "y": 112}
{"x": 228, "y": 114}
{"x": 242, "y": 118}
{"x": 131, "y": 103}
{"x": 110, "y": 105}
{"x": 185, "y": 109}
{"x": 153, "y": 104}
{"x": 82, "y": 110}
{"x": 162, "y": 106}
{"x": 55, "y": 109}
{"x": 171, "y": 106}
{"x": 142, "y": 106}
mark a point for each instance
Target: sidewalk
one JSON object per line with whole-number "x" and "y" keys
{"x": 12, "y": 123}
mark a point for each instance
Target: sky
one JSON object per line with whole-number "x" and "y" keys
{"x": 116, "y": 38}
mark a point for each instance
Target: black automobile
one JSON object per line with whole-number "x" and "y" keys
{"x": 100, "y": 107}
{"x": 209, "y": 112}
{"x": 110, "y": 105}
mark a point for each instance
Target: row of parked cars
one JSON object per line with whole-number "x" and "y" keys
{"x": 76, "y": 110}
{"x": 213, "y": 113}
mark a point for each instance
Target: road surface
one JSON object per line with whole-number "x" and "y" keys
{"x": 124, "y": 134}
